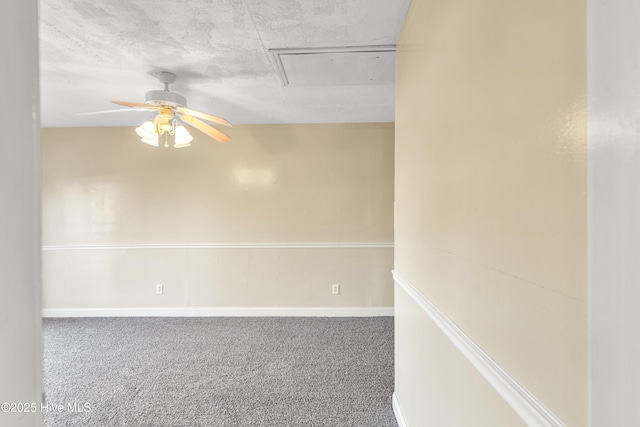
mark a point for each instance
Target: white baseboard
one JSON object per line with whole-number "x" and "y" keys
{"x": 521, "y": 400}
{"x": 219, "y": 312}
{"x": 397, "y": 411}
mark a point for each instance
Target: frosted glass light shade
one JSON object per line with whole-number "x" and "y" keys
{"x": 182, "y": 137}
{"x": 151, "y": 141}
{"x": 147, "y": 130}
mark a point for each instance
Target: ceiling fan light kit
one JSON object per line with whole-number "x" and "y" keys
{"x": 172, "y": 110}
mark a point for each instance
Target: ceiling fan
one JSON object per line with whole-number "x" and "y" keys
{"x": 172, "y": 110}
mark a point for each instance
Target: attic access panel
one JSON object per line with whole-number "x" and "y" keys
{"x": 360, "y": 65}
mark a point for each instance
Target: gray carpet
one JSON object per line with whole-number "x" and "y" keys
{"x": 220, "y": 371}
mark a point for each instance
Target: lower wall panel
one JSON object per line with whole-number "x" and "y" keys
{"x": 239, "y": 277}
{"x": 435, "y": 385}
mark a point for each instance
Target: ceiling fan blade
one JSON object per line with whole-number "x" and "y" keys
{"x": 205, "y": 128}
{"x": 138, "y": 105}
{"x": 119, "y": 110}
{"x": 205, "y": 116}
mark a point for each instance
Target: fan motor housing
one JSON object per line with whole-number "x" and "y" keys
{"x": 164, "y": 97}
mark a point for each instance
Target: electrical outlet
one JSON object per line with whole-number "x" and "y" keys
{"x": 335, "y": 289}
{"x": 159, "y": 289}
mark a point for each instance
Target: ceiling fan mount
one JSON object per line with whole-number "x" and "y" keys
{"x": 165, "y": 77}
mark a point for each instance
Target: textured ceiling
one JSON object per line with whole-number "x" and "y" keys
{"x": 93, "y": 52}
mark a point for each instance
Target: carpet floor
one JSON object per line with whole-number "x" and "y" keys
{"x": 275, "y": 371}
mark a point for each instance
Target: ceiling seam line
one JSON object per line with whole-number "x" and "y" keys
{"x": 265, "y": 51}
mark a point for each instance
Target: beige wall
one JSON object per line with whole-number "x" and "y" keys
{"x": 490, "y": 196}
{"x": 273, "y": 185}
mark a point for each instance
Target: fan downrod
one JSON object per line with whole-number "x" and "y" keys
{"x": 165, "y": 77}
